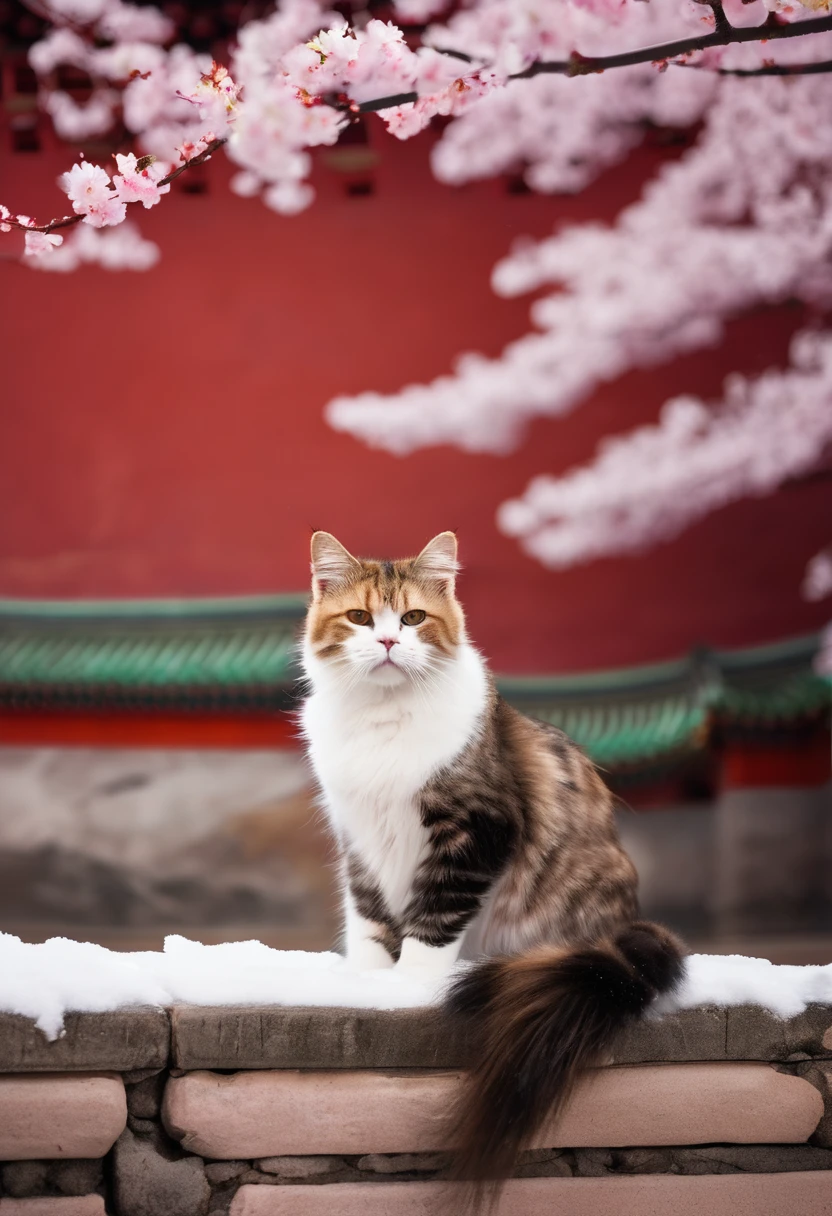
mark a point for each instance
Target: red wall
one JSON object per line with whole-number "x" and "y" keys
{"x": 162, "y": 433}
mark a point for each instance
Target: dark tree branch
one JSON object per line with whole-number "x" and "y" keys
{"x": 779, "y": 69}
{"x": 380, "y": 103}
{"x": 721, "y": 23}
{"x": 579, "y": 65}
{"x": 723, "y": 34}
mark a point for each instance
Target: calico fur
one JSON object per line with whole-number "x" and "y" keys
{"x": 467, "y": 829}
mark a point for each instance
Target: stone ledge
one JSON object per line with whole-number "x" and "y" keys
{"x": 194, "y": 1037}
{"x": 735, "y": 1032}
{"x": 276, "y": 1036}
{"x": 283, "y": 1113}
{"x": 809, "y": 1194}
{"x": 286, "y": 1037}
{"x": 122, "y": 1041}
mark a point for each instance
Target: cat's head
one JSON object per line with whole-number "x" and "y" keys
{"x": 386, "y": 623}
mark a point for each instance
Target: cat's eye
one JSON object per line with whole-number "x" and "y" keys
{"x": 359, "y": 617}
{"x": 414, "y": 617}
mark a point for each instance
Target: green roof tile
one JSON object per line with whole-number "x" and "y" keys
{"x": 240, "y": 653}
{"x": 159, "y": 649}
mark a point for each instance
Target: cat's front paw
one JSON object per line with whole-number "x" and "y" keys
{"x": 427, "y": 964}
{"x": 367, "y": 955}
{"x": 428, "y": 977}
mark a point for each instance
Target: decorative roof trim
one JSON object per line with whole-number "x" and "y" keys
{"x": 700, "y": 664}
{"x": 239, "y": 654}
{"x": 231, "y": 608}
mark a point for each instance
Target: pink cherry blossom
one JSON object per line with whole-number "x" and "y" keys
{"x": 288, "y": 198}
{"x": 134, "y": 23}
{"x": 135, "y": 185}
{"x": 215, "y": 96}
{"x": 792, "y": 8}
{"x": 88, "y": 188}
{"x": 419, "y": 11}
{"x": 109, "y": 213}
{"x": 731, "y": 224}
{"x": 78, "y": 121}
{"x": 59, "y": 46}
{"x": 817, "y": 581}
{"x": 742, "y": 217}
{"x": 4, "y": 215}
{"x": 83, "y": 12}
{"x": 121, "y": 248}
{"x": 189, "y": 149}
{"x": 219, "y": 81}
{"x": 647, "y": 486}
{"x": 38, "y": 243}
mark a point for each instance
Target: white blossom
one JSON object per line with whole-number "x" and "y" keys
{"x": 647, "y": 486}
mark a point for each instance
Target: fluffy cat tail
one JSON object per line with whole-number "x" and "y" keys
{"x": 538, "y": 1020}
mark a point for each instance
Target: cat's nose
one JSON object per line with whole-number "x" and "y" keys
{"x": 388, "y": 643}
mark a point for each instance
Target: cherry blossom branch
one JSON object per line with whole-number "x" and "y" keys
{"x": 68, "y": 221}
{"x": 724, "y": 34}
{"x": 371, "y": 107}
{"x": 777, "y": 69}
{"x": 310, "y": 89}
{"x": 195, "y": 160}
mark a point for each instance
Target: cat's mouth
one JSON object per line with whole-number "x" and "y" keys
{"x": 388, "y": 669}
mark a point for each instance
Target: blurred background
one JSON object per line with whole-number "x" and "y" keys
{"x": 164, "y": 456}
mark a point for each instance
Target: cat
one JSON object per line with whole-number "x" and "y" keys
{"x": 467, "y": 830}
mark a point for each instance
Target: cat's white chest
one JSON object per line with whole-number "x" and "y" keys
{"x": 370, "y": 776}
{"x": 372, "y": 759}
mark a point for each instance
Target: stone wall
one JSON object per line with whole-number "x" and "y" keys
{"x": 311, "y": 1112}
{"x": 121, "y": 845}
{"x": 754, "y": 862}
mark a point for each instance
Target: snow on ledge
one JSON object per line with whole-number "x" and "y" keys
{"x": 46, "y": 981}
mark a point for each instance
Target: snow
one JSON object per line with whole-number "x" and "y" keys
{"x": 734, "y": 979}
{"x": 48, "y": 980}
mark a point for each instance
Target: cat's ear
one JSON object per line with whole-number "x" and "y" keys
{"x": 331, "y": 562}
{"x": 438, "y": 558}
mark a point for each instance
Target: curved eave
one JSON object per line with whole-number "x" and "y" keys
{"x": 631, "y": 716}
{"x": 22, "y": 613}
{"x": 217, "y": 651}
{"x": 240, "y": 654}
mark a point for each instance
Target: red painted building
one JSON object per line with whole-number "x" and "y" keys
{"x": 162, "y": 435}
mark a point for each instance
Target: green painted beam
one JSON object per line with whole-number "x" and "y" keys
{"x": 240, "y": 653}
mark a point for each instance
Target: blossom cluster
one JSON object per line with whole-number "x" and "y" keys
{"x": 817, "y": 581}
{"x": 647, "y": 486}
{"x": 100, "y": 199}
{"x": 120, "y": 248}
{"x": 298, "y": 75}
{"x": 163, "y": 114}
{"x": 743, "y": 217}
{"x": 103, "y": 200}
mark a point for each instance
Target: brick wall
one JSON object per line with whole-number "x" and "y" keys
{"x": 305, "y": 1112}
